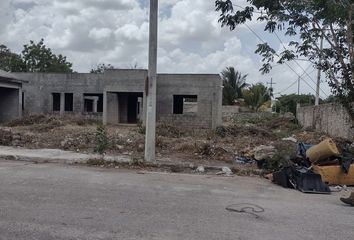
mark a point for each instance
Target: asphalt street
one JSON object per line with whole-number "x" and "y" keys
{"x": 52, "y": 201}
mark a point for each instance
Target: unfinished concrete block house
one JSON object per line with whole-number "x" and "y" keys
{"x": 188, "y": 100}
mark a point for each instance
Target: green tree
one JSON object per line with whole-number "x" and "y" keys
{"x": 309, "y": 20}
{"x": 331, "y": 99}
{"x": 287, "y": 103}
{"x": 39, "y": 58}
{"x": 9, "y": 61}
{"x": 234, "y": 82}
{"x": 256, "y": 95}
{"x": 101, "y": 68}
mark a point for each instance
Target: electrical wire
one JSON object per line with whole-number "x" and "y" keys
{"x": 281, "y": 42}
{"x": 279, "y": 93}
{"x": 284, "y": 62}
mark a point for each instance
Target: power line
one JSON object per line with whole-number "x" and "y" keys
{"x": 284, "y": 62}
{"x": 285, "y": 49}
{"x": 292, "y": 84}
{"x": 299, "y": 64}
{"x": 281, "y": 42}
{"x": 255, "y": 33}
{"x": 287, "y": 87}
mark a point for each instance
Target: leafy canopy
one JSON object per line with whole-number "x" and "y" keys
{"x": 234, "y": 82}
{"x": 309, "y": 21}
{"x": 256, "y": 95}
{"x": 287, "y": 103}
{"x": 101, "y": 68}
{"x": 35, "y": 57}
{"x": 38, "y": 58}
{"x": 10, "y": 62}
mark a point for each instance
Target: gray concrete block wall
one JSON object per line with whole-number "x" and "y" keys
{"x": 228, "y": 112}
{"x": 78, "y": 102}
{"x": 332, "y": 119}
{"x": 206, "y": 86}
{"x": 112, "y": 115}
{"x": 38, "y": 91}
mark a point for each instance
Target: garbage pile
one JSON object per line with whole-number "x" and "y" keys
{"x": 315, "y": 167}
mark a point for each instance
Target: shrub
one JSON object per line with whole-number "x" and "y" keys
{"x": 101, "y": 139}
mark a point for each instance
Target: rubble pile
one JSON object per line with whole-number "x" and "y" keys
{"x": 317, "y": 166}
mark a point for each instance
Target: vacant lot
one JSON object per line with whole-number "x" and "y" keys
{"x": 237, "y": 138}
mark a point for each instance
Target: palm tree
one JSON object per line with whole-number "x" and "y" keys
{"x": 234, "y": 82}
{"x": 256, "y": 95}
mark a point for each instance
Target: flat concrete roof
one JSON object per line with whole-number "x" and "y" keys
{"x": 9, "y": 77}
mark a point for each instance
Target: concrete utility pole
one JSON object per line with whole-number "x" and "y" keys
{"x": 271, "y": 83}
{"x": 317, "y": 100}
{"x": 150, "y": 89}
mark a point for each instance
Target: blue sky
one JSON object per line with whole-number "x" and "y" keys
{"x": 191, "y": 40}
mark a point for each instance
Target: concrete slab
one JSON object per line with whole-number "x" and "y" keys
{"x": 52, "y": 201}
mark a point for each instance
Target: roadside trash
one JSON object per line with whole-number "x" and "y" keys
{"x": 263, "y": 152}
{"x": 292, "y": 139}
{"x": 269, "y": 176}
{"x": 349, "y": 200}
{"x": 243, "y": 160}
{"x": 322, "y": 151}
{"x": 315, "y": 167}
{"x": 339, "y": 188}
{"x": 302, "y": 148}
{"x": 300, "y": 178}
{"x": 309, "y": 182}
{"x": 200, "y": 169}
{"x": 226, "y": 171}
{"x": 248, "y": 208}
{"x": 334, "y": 175}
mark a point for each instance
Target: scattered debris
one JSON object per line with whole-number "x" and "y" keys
{"x": 269, "y": 176}
{"x": 322, "y": 151}
{"x": 244, "y": 160}
{"x": 316, "y": 166}
{"x": 291, "y": 139}
{"x": 200, "y": 169}
{"x": 248, "y": 208}
{"x": 263, "y": 152}
{"x": 349, "y": 200}
{"x": 339, "y": 188}
{"x": 225, "y": 171}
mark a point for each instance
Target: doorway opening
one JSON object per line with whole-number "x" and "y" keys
{"x": 130, "y": 106}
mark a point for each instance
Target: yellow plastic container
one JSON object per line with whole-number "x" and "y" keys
{"x": 333, "y": 175}
{"x": 322, "y": 151}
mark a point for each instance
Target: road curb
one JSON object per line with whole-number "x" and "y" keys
{"x": 68, "y": 157}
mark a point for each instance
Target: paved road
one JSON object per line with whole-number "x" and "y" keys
{"x": 49, "y": 201}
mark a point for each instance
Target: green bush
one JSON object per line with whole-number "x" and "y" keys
{"x": 101, "y": 139}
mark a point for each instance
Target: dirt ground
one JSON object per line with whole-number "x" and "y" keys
{"x": 230, "y": 144}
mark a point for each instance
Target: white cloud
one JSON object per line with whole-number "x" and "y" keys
{"x": 89, "y": 32}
